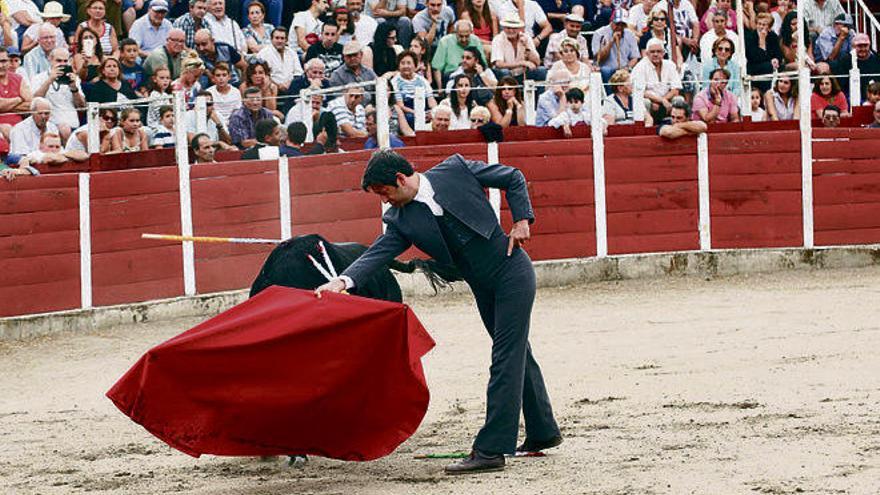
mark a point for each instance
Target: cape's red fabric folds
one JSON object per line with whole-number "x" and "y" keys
{"x": 285, "y": 373}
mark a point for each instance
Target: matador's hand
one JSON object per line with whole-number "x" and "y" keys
{"x": 519, "y": 234}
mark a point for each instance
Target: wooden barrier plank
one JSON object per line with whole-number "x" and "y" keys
{"x": 753, "y": 143}
{"x": 40, "y": 269}
{"x": 652, "y": 222}
{"x": 845, "y": 166}
{"x": 40, "y": 222}
{"x": 560, "y": 219}
{"x": 144, "y": 211}
{"x": 645, "y": 146}
{"x": 152, "y": 263}
{"x": 651, "y": 168}
{"x": 42, "y": 244}
{"x": 316, "y": 180}
{"x": 756, "y": 231}
{"x": 753, "y": 164}
{"x": 847, "y": 216}
{"x": 26, "y": 299}
{"x": 561, "y": 246}
{"x": 232, "y": 169}
{"x": 109, "y": 241}
{"x": 744, "y": 203}
{"x": 332, "y": 207}
{"x": 548, "y": 149}
{"x": 847, "y": 236}
{"x": 843, "y": 189}
{"x": 227, "y": 273}
{"x": 123, "y": 184}
{"x": 755, "y": 183}
{"x": 212, "y": 192}
{"x": 560, "y": 193}
{"x": 138, "y": 291}
{"x": 866, "y": 148}
{"x": 651, "y": 196}
{"x": 265, "y": 229}
{"x": 362, "y": 230}
{"x": 235, "y": 215}
{"x": 653, "y": 243}
{"x": 47, "y": 182}
{"x": 856, "y": 133}
{"x": 31, "y": 200}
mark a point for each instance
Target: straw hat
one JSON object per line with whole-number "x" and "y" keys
{"x": 54, "y": 10}
{"x": 512, "y": 20}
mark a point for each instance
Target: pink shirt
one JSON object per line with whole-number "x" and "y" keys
{"x": 704, "y": 101}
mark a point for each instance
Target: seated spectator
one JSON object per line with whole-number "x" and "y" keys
{"x": 514, "y": 53}
{"x": 243, "y": 122}
{"x": 132, "y": 72}
{"x": 162, "y": 134}
{"x": 110, "y": 88}
{"x": 224, "y": 30}
{"x": 433, "y": 22}
{"x": 312, "y": 111}
{"x": 10, "y": 173}
{"x": 79, "y": 138}
{"x": 677, "y": 124}
{"x": 578, "y": 72}
{"x": 364, "y": 24}
{"x": 778, "y": 13}
{"x": 349, "y": 112}
{"x": 385, "y": 49}
{"x": 474, "y": 67}
{"x": 296, "y": 136}
{"x": 397, "y": 14}
{"x": 686, "y": 25}
{"x": 830, "y": 116}
{"x": 159, "y": 89}
{"x": 192, "y": 21}
{"x": 460, "y": 101}
{"x": 372, "y": 141}
{"x": 876, "y": 123}
{"x": 867, "y": 61}
{"x": 283, "y": 62}
{"x": 781, "y": 101}
{"x": 572, "y": 31}
{"x": 575, "y": 111}
{"x": 202, "y": 148}
{"x": 723, "y": 50}
{"x": 873, "y": 93}
{"x": 257, "y": 76}
{"x": 16, "y": 94}
{"x": 639, "y": 16}
{"x": 724, "y": 8}
{"x": 346, "y": 25}
{"x": 417, "y": 46}
{"x": 214, "y": 127}
{"x": 441, "y": 118}
{"x": 756, "y": 99}
{"x": 763, "y": 54}
{"x": 716, "y": 104}
{"x": 836, "y": 41}
{"x": 151, "y": 31}
{"x": 658, "y": 30}
{"x": 226, "y": 98}
{"x": 21, "y": 15}
{"x": 480, "y": 116}
{"x": 268, "y": 134}
{"x": 314, "y": 78}
{"x": 189, "y": 81}
{"x": 506, "y": 107}
{"x": 129, "y": 136}
{"x": 169, "y": 56}
{"x": 15, "y": 61}
{"x": 51, "y": 152}
{"x": 618, "y": 107}
{"x": 328, "y": 50}
{"x": 257, "y": 34}
{"x": 36, "y": 61}
{"x": 551, "y": 102}
{"x": 788, "y": 43}
{"x": 352, "y": 69}
{"x": 96, "y": 11}
{"x": 62, "y": 88}
{"x": 213, "y": 53}
{"x": 53, "y": 13}
{"x": 451, "y": 48}
{"x": 659, "y": 80}
{"x": 405, "y": 83}
{"x": 25, "y": 136}
{"x": 827, "y": 92}
{"x": 615, "y": 47}
{"x": 483, "y": 21}
{"x": 306, "y": 26}
{"x": 718, "y": 31}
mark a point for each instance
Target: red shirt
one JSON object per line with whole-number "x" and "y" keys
{"x": 11, "y": 89}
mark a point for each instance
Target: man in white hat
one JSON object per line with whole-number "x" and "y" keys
{"x": 151, "y": 30}
{"x": 572, "y": 24}
{"x": 53, "y": 13}
{"x": 514, "y": 53}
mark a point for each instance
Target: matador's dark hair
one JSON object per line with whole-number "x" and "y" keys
{"x": 383, "y": 168}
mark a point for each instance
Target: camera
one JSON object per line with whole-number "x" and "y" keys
{"x": 66, "y": 76}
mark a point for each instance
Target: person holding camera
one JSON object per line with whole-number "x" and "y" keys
{"x": 61, "y": 87}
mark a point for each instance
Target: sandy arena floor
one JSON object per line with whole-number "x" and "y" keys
{"x": 762, "y": 384}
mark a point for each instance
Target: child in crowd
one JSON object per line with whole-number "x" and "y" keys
{"x": 162, "y": 135}
{"x": 227, "y": 99}
{"x": 405, "y": 83}
{"x": 576, "y": 111}
{"x": 159, "y": 88}
{"x": 129, "y": 136}
{"x": 758, "y": 113}
{"x": 873, "y": 93}
{"x": 132, "y": 72}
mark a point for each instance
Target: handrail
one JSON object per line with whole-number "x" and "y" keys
{"x": 863, "y": 13}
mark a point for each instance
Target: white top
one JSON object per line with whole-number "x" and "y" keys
{"x": 425, "y": 194}
{"x": 638, "y": 17}
{"x": 708, "y": 40}
{"x": 571, "y": 118}
{"x": 645, "y": 76}
{"x": 365, "y": 29}
{"x": 73, "y": 142}
{"x": 759, "y": 115}
{"x": 460, "y": 121}
{"x": 33, "y": 33}
{"x": 285, "y": 68}
{"x": 534, "y": 13}
{"x": 25, "y": 136}
{"x": 63, "y": 109}
{"x": 224, "y": 105}
{"x": 226, "y": 31}
{"x": 16, "y": 6}
{"x": 304, "y": 20}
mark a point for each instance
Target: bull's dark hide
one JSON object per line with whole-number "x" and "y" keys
{"x": 289, "y": 266}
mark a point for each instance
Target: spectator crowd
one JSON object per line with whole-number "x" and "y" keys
{"x": 468, "y": 60}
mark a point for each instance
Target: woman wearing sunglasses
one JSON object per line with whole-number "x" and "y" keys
{"x": 722, "y": 58}
{"x": 658, "y": 28}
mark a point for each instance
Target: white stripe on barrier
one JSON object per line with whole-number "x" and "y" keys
{"x": 597, "y": 130}
{"x": 806, "y": 127}
{"x": 85, "y": 242}
{"x": 703, "y": 188}
{"x": 494, "y": 194}
{"x": 284, "y": 197}
{"x": 186, "y": 226}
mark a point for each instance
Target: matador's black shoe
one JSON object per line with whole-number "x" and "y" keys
{"x": 477, "y": 462}
{"x": 537, "y": 446}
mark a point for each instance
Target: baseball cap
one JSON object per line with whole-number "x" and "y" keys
{"x": 159, "y": 5}
{"x": 574, "y": 18}
{"x": 619, "y": 16}
{"x": 351, "y": 48}
{"x": 861, "y": 39}
{"x": 845, "y": 19}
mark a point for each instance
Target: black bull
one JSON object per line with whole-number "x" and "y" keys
{"x": 288, "y": 265}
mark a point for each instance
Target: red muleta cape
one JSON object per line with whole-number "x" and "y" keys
{"x": 285, "y": 373}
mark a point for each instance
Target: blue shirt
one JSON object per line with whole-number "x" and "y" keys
{"x": 371, "y": 144}
{"x": 148, "y": 36}
{"x": 133, "y": 75}
{"x": 548, "y": 107}
{"x": 825, "y": 44}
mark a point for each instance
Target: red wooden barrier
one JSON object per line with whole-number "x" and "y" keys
{"x": 39, "y": 245}
{"x": 755, "y": 190}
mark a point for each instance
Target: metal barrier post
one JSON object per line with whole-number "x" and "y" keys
{"x": 201, "y": 114}
{"x": 855, "y": 82}
{"x": 418, "y": 110}
{"x": 529, "y": 101}
{"x": 597, "y": 129}
{"x": 383, "y": 117}
{"x": 305, "y": 109}
{"x": 186, "y": 226}
{"x": 94, "y": 128}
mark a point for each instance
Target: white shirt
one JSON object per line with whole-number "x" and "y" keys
{"x": 307, "y": 22}
{"x": 534, "y": 13}
{"x": 645, "y": 76}
{"x": 63, "y": 109}
{"x": 284, "y": 69}
{"x": 638, "y": 18}
{"x": 28, "y": 6}
{"x": 365, "y": 29}
{"x": 25, "y": 136}
{"x": 73, "y": 142}
{"x": 425, "y": 194}
{"x": 33, "y": 34}
{"x": 224, "y": 105}
{"x": 227, "y": 31}
{"x": 571, "y": 118}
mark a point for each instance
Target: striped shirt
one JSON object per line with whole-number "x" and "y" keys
{"x": 406, "y": 88}
{"x": 821, "y": 17}
{"x": 188, "y": 24}
{"x": 356, "y": 118}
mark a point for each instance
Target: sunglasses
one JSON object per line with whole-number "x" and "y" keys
{"x": 660, "y": 19}
{"x": 478, "y": 121}
{"x": 108, "y": 118}
{"x": 723, "y": 49}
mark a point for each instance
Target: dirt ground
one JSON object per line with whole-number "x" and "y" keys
{"x": 761, "y": 384}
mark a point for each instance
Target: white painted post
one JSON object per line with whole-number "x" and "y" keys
{"x": 383, "y": 115}
{"x": 284, "y": 197}
{"x": 305, "y": 109}
{"x": 855, "y": 82}
{"x": 529, "y": 101}
{"x": 186, "y": 226}
{"x": 494, "y": 194}
{"x": 94, "y": 128}
{"x": 638, "y": 99}
{"x": 806, "y": 127}
{"x": 85, "y": 242}
{"x": 597, "y": 131}
{"x": 745, "y": 98}
{"x": 703, "y": 188}
{"x": 201, "y": 114}
{"x": 419, "y": 110}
